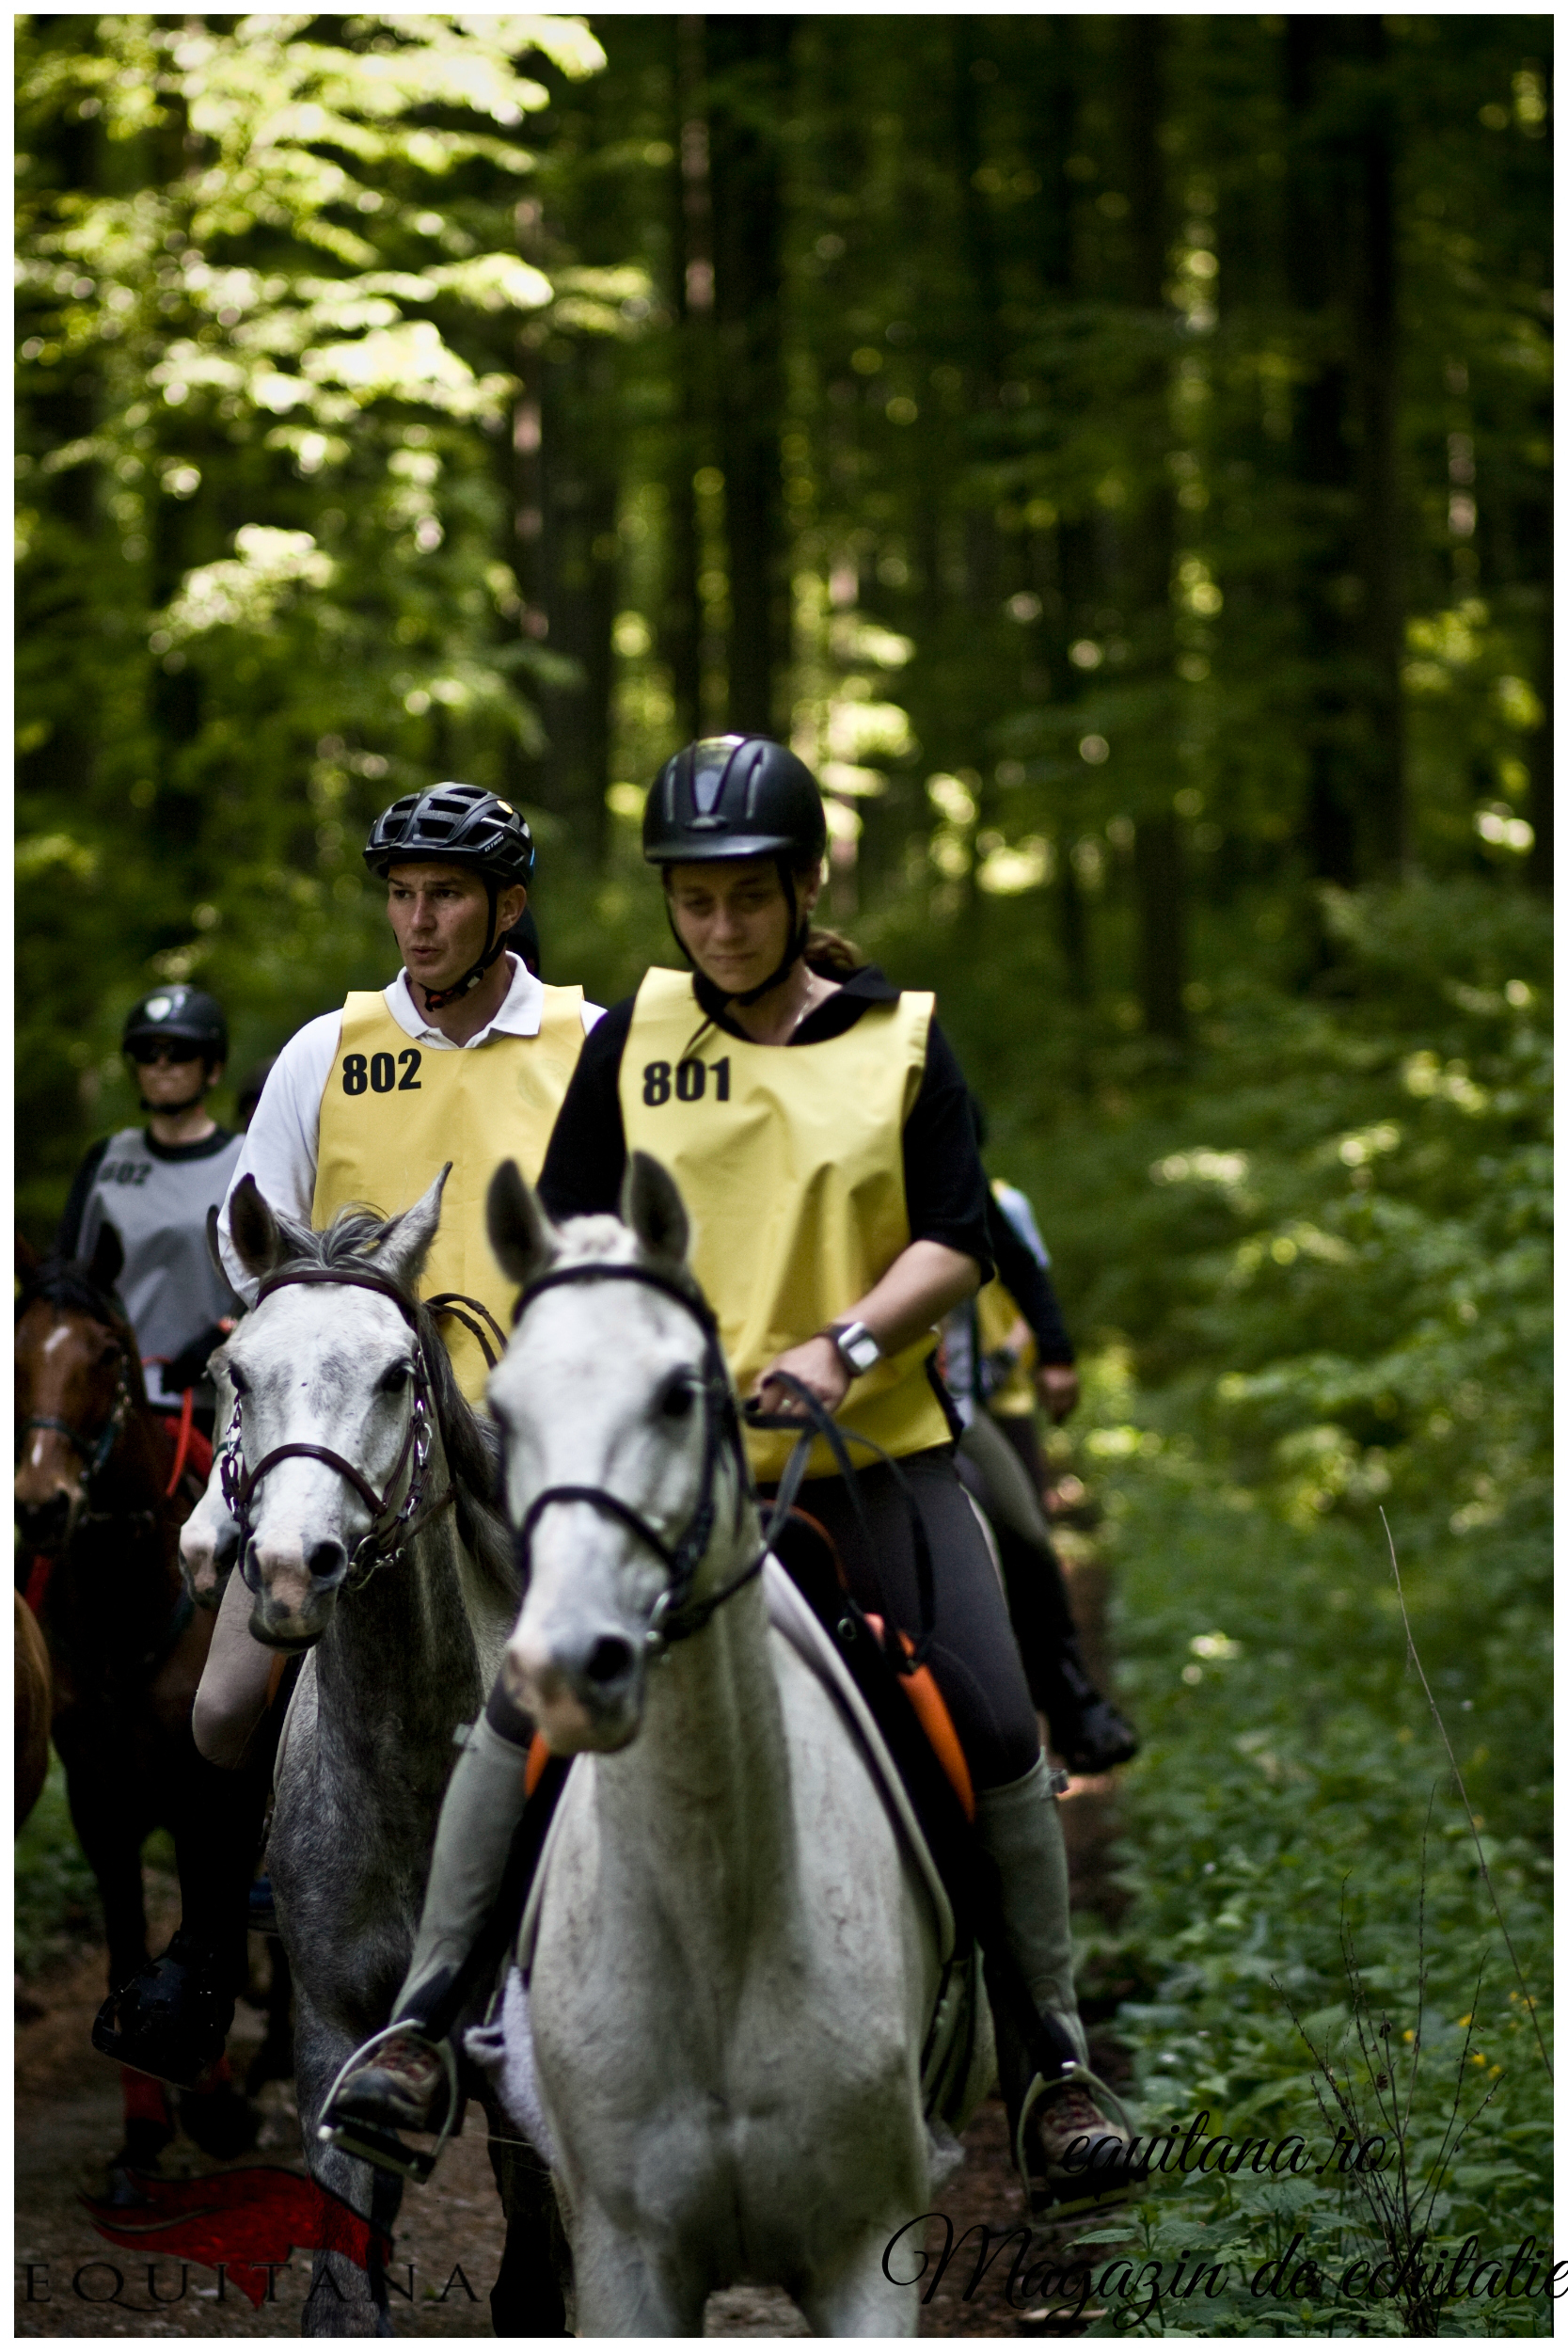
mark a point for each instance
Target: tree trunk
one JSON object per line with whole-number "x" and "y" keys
{"x": 748, "y": 59}
{"x": 1339, "y": 271}
{"x": 1148, "y": 554}
{"x": 692, "y": 294}
{"x": 1378, "y": 485}
{"x": 1538, "y": 870}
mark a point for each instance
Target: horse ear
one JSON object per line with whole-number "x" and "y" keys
{"x": 521, "y": 1235}
{"x": 406, "y": 1240}
{"x": 26, "y": 1258}
{"x": 652, "y": 1206}
{"x": 253, "y": 1229}
{"x": 108, "y": 1257}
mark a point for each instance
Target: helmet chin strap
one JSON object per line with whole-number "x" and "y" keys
{"x": 172, "y": 1110}
{"x": 436, "y": 999}
{"x": 794, "y": 949}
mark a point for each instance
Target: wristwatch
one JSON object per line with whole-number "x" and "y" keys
{"x": 856, "y": 1346}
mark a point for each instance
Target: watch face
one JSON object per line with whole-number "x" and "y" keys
{"x": 860, "y": 1349}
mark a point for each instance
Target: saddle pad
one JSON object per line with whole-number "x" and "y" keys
{"x": 790, "y": 1616}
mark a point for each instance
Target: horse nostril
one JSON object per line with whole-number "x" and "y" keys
{"x": 326, "y": 1561}
{"x": 609, "y": 1660}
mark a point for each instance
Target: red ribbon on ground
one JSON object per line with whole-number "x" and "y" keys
{"x": 242, "y": 2219}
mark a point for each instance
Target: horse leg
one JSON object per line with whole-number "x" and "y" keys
{"x": 622, "y": 2288}
{"x": 273, "y": 2061}
{"x": 526, "y": 2300}
{"x": 346, "y": 2297}
{"x": 858, "y": 2298}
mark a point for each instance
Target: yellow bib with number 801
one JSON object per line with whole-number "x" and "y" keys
{"x": 790, "y": 1161}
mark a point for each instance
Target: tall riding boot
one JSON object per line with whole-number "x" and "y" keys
{"x": 1066, "y": 2149}
{"x": 1086, "y": 1731}
{"x": 172, "y": 2019}
{"x": 402, "y": 2079}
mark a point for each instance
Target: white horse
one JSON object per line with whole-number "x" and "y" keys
{"x": 734, "y": 1964}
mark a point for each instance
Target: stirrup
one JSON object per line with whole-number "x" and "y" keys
{"x": 1094, "y": 2193}
{"x": 171, "y": 2019}
{"x": 379, "y": 2145}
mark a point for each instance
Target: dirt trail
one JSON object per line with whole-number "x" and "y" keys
{"x": 68, "y": 2121}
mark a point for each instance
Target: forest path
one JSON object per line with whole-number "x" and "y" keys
{"x": 68, "y": 2121}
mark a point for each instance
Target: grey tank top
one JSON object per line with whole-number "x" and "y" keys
{"x": 158, "y": 1206}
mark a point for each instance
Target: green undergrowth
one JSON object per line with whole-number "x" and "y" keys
{"x": 1312, "y": 1264}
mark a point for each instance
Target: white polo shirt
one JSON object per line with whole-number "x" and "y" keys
{"x": 281, "y": 1146}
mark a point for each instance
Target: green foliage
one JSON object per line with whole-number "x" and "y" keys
{"x": 56, "y": 1896}
{"x": 1318, "y": 1269}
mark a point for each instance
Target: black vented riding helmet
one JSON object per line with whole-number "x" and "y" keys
{"x": 735, "y": 796}
{"x": 456, "y": 824}
{"x": 187, "y": 1014}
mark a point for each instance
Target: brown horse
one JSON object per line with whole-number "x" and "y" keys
{"x": 33, "y": 1699}
{"x": 98, "y": 1556}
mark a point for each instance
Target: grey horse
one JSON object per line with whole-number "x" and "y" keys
{"x": 404, "y": 1619}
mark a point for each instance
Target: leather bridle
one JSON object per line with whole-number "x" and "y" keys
{"x": 393, "y": 1524}
{"x": 675, "y": 1616}
{"x": 91, "y": 1447}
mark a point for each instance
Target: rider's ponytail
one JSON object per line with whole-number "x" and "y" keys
{"x": 832, "y": 956}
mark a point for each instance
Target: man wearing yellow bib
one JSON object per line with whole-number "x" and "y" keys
{"x": 465, "y": 1057}
{"x": 817, "y": 1125}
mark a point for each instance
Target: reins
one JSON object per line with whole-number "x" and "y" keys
{"x": 394, "y": 1525}
{"x": 675, "y": 1616}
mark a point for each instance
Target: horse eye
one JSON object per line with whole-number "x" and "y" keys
{"x": 393, "y": 1380}
{"x": 679, "y": 1398}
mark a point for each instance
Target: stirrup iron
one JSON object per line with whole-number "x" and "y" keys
{"x": 379, "y": 2145}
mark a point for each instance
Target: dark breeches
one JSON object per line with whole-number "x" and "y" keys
{"x": 973, "y": 1657}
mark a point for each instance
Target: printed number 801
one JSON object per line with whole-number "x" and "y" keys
{"x": 691, "y": 1081}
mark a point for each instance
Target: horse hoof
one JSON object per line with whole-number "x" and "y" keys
{"x": 221, "y": 2122}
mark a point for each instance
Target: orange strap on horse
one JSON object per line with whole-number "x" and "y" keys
{"x": 538, "y": 1757}
{"x": 935, "y": 1720}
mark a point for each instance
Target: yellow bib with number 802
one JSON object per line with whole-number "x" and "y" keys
{"x": 392, "y": 1112}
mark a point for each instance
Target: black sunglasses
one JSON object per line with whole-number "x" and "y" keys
{"x": 176, "y": 1049}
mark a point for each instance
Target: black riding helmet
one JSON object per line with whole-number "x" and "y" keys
{"x": 456, "y": 824}
{"x": 187, "y": 1017}
{"x": 738, "y": 796}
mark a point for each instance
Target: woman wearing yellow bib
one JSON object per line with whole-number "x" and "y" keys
{"x": 817, "y": 1125}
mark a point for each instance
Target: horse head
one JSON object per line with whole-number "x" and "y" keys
{"x": 76, "y": 1373}
{"x": 617, "y": 1429}
{"x": 331, "y": 1393}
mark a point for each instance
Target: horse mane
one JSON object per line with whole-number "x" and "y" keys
{"x": 473, "y": 1445}
{"x": 58, "y": 1282}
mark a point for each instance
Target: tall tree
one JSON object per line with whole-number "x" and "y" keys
{"x": 748, "y": 62}
{"x": 1148, "y": 545}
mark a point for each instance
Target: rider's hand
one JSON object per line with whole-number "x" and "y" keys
{"x": 818, "y": 1365}
{"x": 1057, "y": 1386}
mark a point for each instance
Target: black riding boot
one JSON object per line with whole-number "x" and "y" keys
{"x": 172, "y": 2018}
{"x": 1086, "y": 1731}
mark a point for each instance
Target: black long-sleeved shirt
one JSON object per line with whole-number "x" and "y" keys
{"x": 944, "y": 1185}
{"x": 1030, "y": 1283}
